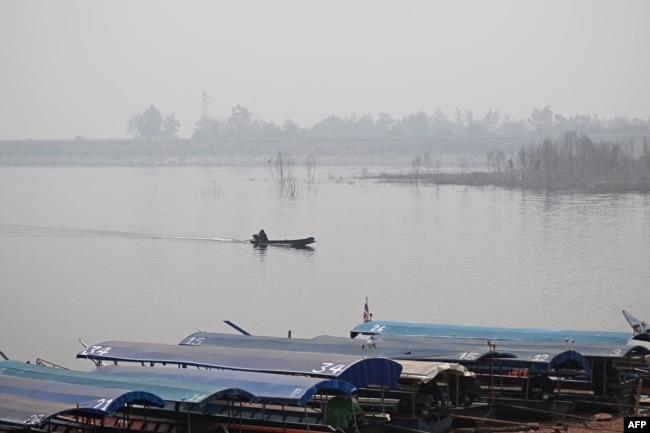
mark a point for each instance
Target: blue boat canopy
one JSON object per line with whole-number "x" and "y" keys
{"x": 267, "y": 387}
{"x": 82, "y": 396}
{"x": 374, "y": 327}
{"x": 32, "y": 402}
{"x": 164, "y": 390}
{"x": 423, "y": 370}
{"x": 356, "y": 370}
{"x": 35, "y": 413}
{"x": 542, "y": 356}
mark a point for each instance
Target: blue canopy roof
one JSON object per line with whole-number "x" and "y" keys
{"x": 28, "y": 412}
{"x": 544, "y": 355}
{"x": 267, "y": 387}
{"x": 373, "y": 327}
{"x": 164, "y": 389}
{"x": 28, "y": 401}
{"x": 344, "y": 346}
{"x": 353, "y": 369}
{"x": 83, "y": 396}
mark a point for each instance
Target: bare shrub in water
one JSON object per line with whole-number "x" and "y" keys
{"x": 310, "y": 163}
{"x": 282, "y": 173}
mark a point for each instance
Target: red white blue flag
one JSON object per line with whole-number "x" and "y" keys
{"x": 366, "y": 311}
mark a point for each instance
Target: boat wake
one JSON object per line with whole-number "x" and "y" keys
{"x": 195, "y": 238}
{"x": 36, "y": 231}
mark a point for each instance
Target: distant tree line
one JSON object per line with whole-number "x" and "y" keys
{"x": 242, "y": 124}
{"x": 151, "y": 125}
{"x": 573, "y": 162}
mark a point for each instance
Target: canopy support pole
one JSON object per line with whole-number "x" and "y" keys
{"x": 307, "y": 418}
{"x": 354, "y": 416}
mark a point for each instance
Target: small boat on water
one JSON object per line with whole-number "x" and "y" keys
{"x": 293, "y": 243}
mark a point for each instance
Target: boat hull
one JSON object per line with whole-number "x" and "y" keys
{"x": 293, "y": 243}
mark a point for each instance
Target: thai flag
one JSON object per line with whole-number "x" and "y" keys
{"x": 366, "y": 311}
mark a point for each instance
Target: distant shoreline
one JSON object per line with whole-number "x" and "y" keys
{"x": 450, "y": 160}
{"x": 327, "y": 151}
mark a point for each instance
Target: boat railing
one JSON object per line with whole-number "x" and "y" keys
{"x": 45, "y": 363}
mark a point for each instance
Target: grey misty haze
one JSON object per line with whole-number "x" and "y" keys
{"x": 83, "y": 68}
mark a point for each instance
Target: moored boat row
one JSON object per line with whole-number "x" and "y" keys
{"x": 383, "y": 383}
{"x": 225, "y": 385}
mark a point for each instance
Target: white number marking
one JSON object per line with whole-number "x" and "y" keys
{"x": 330, "y": 367}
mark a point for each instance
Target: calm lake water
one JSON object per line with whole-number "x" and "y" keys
{"x": 150, "y": 254}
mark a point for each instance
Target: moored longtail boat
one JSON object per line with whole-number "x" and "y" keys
{"x": 191, "y": 399}
{"x": 358, "y": 371}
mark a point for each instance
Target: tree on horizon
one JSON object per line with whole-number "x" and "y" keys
{"x": 151, "y": 125}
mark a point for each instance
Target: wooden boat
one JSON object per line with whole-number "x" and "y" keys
{"x": 247, "y": 418}
{"x": 293, "y": 243}
{"x": 284, "y": 403}
{"x": 242, "y": 417}
{"x": 420, "y": 402}
{"x": 188, "y": 400}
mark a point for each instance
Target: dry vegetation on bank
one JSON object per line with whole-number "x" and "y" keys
{"x": 574, "y": 163}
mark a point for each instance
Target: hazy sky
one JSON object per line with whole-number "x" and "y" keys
{"x": 84, "y": 67}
